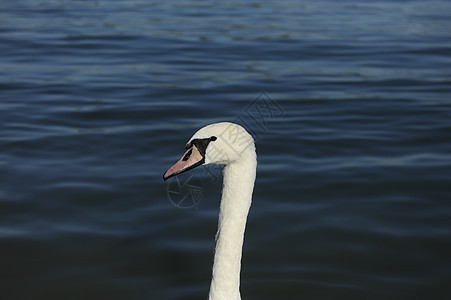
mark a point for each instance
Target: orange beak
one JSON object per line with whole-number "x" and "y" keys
{"x": 191, "y": 159}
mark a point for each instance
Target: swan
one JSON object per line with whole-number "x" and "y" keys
{"x": 231, "y": 145}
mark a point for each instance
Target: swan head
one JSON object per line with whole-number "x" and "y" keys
{"x": 219, "y": 143}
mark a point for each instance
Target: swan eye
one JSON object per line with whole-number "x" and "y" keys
{"x": 187, "y": 155}
{"x": 200, "y": 144}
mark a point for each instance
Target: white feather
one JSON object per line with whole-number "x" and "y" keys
{"x": 235, "y": 148}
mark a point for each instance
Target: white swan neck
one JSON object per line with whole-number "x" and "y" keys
{"x": 236, "y": 199}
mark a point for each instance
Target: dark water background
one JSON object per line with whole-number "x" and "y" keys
{"x": 97, "y": 99}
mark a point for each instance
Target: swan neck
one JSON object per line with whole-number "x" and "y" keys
{"x": 236, "y": 199}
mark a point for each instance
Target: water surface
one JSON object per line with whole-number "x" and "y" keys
{"x": 349, "y": 103}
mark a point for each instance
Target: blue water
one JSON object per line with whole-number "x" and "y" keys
{"x": 350, "y": 106}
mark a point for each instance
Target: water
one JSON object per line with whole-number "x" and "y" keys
{"x": 352, "y": 199}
